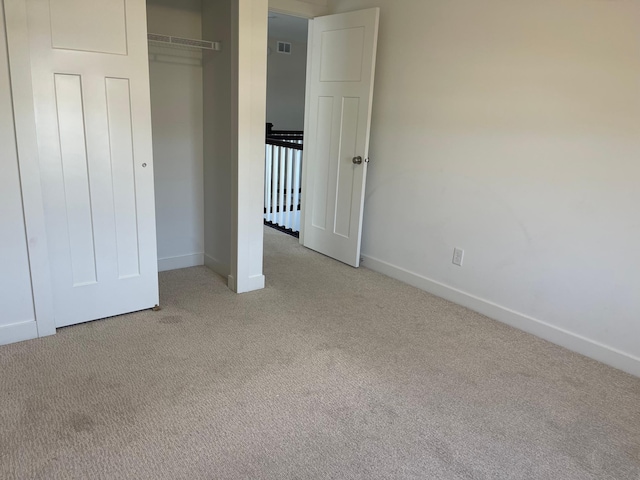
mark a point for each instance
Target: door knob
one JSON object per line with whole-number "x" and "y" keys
{"x": 357, "y": 160}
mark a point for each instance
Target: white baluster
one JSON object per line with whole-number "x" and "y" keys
{"x": 282, "y": 179}
{"x": 267, "y": 181}
{"x": 288, "y": 193}
{"x": 274, "y": 183}
{"x": 297, "y": 181}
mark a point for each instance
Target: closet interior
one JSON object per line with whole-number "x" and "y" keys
{"x": 190, "y": 83}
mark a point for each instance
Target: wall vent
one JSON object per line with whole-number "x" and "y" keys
{"x": 284, "y": 47}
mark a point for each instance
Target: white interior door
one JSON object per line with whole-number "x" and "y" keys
{"x": 340, "y": 72}
{"x": 93, "y": 119}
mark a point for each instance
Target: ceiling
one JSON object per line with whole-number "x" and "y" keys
{"x": 288, "y": 28}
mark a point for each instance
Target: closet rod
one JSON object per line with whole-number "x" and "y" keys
{"x": 170, "y": 41}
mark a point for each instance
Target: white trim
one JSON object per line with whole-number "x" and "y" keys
{"x": 539, "y": 328}
{"x": 297, "y": 8}
{"x": 217, "y": 266}
{"x": 249, "y": 94}
{"x": 18, "y": 332}
{"x": 182, "y": 261}
{"x": 307, "y": 109}
{"x": 250, "y": 284}
{"x": 26, "y": 140}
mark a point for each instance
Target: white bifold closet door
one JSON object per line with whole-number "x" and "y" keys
{"x": 93, "y": 120}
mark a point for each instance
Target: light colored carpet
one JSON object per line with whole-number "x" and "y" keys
{"x": 329, "y": 372}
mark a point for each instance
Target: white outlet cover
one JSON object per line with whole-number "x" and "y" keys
{"x": 458, "y": 256}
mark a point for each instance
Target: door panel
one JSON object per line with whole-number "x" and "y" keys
{"x": 123, "y": 172}
{"x": 342, "y": 55}
{"x": 346, "y": 171}
{"x": 320, "y": 171}
{"x": 342, "y": 52}
{"x": 91, "y": 95}
{"x": 89, "y": 25}
{"x": 75, "y": 172}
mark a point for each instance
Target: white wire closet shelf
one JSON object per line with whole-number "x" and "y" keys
{"x": 180, "y": 42}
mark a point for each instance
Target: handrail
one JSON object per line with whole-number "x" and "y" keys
{"x": 285, "y": 132}
{"x": 270, "y": 132}
{"x": 286, "y": 137}
{"x": 284, "y": 144}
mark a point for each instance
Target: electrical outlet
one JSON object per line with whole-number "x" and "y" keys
{"x": 458, "y": 256}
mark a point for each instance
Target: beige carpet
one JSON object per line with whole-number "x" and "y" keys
{"x": 329, "y": 372}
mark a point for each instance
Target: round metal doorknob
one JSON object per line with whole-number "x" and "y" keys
{"x": 357, "y": 160}
{"x": 144, "y": 165}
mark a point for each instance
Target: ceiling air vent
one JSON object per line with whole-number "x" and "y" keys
{"x": 284, "y": 47}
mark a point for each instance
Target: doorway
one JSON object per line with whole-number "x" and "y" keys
{"x": 190, "y": 79}
{"x": 175, "y": 78}
{"x": 339, "y": 91}
{"x": 284, "y": 134}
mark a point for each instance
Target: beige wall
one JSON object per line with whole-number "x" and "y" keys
{"x": 216, "y": 25}
{"x": 177, "y": 117}
{"x": 510, "y": 129}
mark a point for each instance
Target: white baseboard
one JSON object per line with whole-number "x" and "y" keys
{"x": 559, "y": 336}
{"x": 214, "y": 264}
{"x": 247, "y": 284}
{"x": 17, "y": 332}
{"x": 182, "y": 261}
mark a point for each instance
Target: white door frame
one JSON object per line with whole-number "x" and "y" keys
{"x": 27, "y": 146}
{"x": 249, "y": 91}
{"x": 250, "y": 25}
{"x": 308, "y": 11}
{"x": 249, "y": 85}
{"x": 300, "y": 9}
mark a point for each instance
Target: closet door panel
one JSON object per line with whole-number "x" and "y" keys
{"x": 90, "y": 26}
{"x": 89, "y": 67}
{"x": 124, "y": 176}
